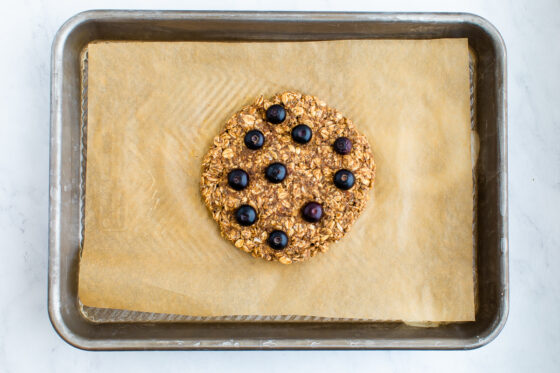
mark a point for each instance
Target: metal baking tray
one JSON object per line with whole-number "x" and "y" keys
{"x": 490, "y": 174}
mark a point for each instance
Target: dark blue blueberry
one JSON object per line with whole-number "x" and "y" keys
{"x": 312, "y": 212}
{"x": 245, "y": 215}
{"x": 275, "y": 114}
{"x": 276, "y": 172}
{"x": 238, "y": 179}
{"x": 342, "y": 145}
{"x": 344, "y": 179}
{"x": 277, "y": 240}
{"x": 254, "y": 139}
{"x": 301, "y": 133}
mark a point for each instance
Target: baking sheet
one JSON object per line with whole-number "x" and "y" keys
{"x": 410, "y": 256}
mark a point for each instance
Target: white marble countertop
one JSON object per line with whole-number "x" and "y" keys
{"x": 530, "y": 340}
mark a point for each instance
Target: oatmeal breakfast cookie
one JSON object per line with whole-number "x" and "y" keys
{"x": 286, "y": 177}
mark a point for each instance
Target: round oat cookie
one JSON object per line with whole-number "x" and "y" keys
{"x": 286, "y": 177}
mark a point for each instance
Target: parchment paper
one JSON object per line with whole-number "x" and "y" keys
{"x": 153, "y": 110}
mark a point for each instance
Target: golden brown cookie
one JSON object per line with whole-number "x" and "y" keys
{"x": 286, "y": 177}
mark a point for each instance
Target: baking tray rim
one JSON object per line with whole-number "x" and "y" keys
{"x": 55, "y": 199}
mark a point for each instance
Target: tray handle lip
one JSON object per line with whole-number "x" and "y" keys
{"x": 501, "y": 62}
{"x": 274, "y": 15}
{"x": 66, "y": 30}
{"x": 55, "y": 199}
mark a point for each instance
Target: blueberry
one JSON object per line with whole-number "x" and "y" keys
{"x": 254, "y": 139}
{"x": 342, "y": 145}
{"x": 275, "y": 172}
{"x": 277, "y": 240}
{"x": 344, "y": 179}
{"x": 275, "y": 114}
{"x": 312, "y": 212}
{"x": 245, "y": 215}
{"x": 301, "y": 133}
{"x": 238, "y": 179}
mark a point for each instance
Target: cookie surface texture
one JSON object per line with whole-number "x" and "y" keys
{"x": 279, "y": 194}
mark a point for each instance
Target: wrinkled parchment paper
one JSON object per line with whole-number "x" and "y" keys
{"x": 151, "y": 245}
